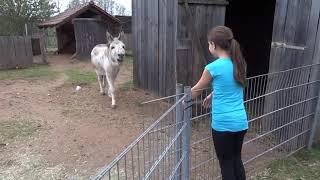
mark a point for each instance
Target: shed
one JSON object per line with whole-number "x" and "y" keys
{"x": 170, "y": 37}
{"x": 89, "y": 19}
{"x": 126, "y": 24}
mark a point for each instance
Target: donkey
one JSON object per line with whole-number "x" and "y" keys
{"x": 107, "y": 59}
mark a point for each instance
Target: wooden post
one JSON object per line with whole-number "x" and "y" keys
{"x": 43, "y": 49}
{"x": 179, "y": 121}
{"x": 315, "y": 124}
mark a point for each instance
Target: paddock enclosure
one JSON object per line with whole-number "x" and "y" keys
{"x": 280, "y": 40}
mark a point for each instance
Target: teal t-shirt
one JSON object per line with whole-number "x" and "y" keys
{"x": 228, "y": 111}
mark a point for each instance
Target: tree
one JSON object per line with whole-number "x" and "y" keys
{"x": 14, "y": 14}
{"x": 74, "y": 3}
{"x": 111, "y": 7}
{"x": 31, "y": 10}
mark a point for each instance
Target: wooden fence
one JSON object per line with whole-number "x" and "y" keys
{"x": 15, "y": 52}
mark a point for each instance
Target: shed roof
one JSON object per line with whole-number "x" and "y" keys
{"x": 124, "y": 19}
{"x": 73, "y": 13}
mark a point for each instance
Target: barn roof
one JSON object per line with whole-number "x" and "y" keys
{"x": 74, "y": 12}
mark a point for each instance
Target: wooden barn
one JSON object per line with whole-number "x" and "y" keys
{"x": 79, "y": 29}
{"x": 170, "y": 37}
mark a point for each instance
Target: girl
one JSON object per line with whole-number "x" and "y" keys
{"x": 229, "y": 119}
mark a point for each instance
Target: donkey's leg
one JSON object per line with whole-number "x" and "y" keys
{"x": 104, "y": 83}
{"x": 100, "y": 83}
{"x": 111, "y": 91}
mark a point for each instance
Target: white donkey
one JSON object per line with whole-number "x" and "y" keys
{"x": 107, "y": 59}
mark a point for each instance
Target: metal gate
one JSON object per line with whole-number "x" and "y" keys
{"x": 281, "y": 107}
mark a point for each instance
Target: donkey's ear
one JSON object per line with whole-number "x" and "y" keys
{"x": 109, "y": 37}
{"x": 121, "y": 35}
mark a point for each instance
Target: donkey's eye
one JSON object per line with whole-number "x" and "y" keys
{"x": 123, "y": 47}
{"x": 112, "y": 47}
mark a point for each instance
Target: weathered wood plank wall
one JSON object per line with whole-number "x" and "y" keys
{"x": 154, "y": 26}
{"x": 166, "y": 51}
{"x": 127, "y": 40}
{"x": 296, "y": 24}
{"x": 88, "y": 33}
{"x": 15, "y": 52}
{"x": 190, "y": 60}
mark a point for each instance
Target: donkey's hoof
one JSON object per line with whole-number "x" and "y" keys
{"x": 113, "y": 106}
{"x": 102, "y": 93}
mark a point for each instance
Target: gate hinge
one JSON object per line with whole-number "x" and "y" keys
{"x": 284, "y": 45}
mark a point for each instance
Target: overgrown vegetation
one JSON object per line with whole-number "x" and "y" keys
{"x": 36, "y": 71}
{"x": 302, "y": 166}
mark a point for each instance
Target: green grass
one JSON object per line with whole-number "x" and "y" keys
{"x": 127, "y": 86}
{"x": 303, "y": 166}
{"x": 128, "y": 61}
{"x": 12, "y": 129}
{"x": 34, "y": 72}
{"x": 129, "y": 53}
{"x": 80, "y": 77}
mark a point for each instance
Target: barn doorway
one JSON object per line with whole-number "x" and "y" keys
{"x": 252, "y": 24}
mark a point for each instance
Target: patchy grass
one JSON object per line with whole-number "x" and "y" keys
{"x": 70, "y": 112}
{"x": 128, "y": 61}
{"x": 34, "y": 72}
{"x": 126, "y": 86}
{"x": 28, "y": 166}
{"x": 10, "y": 130}
{"x": 129, "y": 53}
{"x": 302, "y": 166}
{"x": 80, "y": 77}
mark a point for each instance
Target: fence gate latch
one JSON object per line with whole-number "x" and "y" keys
{"x": 287, "y": 46}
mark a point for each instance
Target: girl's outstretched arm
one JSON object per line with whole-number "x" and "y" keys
{"x": 202, "y": 83}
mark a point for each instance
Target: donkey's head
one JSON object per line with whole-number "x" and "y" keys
{"x": 116, "y": 47}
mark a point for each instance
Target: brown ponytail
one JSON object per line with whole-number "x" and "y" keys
{"x": 222, "y": 37}
{"x": 239, "y": 63}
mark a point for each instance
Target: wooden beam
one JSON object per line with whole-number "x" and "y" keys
{"x": 205, "y": 2}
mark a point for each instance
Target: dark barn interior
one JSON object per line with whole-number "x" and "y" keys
{"x": 252, "y": 24}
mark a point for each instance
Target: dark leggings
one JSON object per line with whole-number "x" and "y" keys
{"x": 228, "y": 146}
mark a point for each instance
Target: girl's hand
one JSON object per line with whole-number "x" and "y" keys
{"x": 207, "y": 101}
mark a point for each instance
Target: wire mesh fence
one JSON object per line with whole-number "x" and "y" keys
{"x": 281, "y": 108}
{"x": 158, "y": 153}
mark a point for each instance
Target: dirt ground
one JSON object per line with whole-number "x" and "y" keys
{"x": 60, "y": 133}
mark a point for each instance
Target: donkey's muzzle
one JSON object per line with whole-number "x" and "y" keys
{"x": 120, "y": 57}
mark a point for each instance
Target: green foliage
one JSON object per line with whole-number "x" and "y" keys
{"x": 14, "y": 14}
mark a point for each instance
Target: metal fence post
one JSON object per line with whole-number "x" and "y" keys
{"x": 315, "y": 123}
{"x": 186, "y": 135}
{"x": 179, "y": 120}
